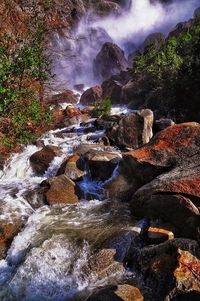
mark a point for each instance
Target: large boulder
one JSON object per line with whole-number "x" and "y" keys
{"x": 124, "y": 292}
{"x": 163, "y": 177}
{"x": 91, "y": 96}
{"x": 109, "y": 61}
{"x": 101, "y": 164}
{"x": 59, "y": 190}
{"x": 40, "y": 160}
{"x": 173, "y": 208}
{"x": 133, "y": 129}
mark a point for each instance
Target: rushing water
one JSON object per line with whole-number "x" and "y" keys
{"x": 46, "y": 259}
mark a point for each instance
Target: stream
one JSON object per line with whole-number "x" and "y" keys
{"x": 45, "y": 260}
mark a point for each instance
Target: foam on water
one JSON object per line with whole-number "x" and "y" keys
{"x": 45, "y": 259}
{"x": 51, "y": 271}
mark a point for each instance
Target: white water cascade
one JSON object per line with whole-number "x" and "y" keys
{"x": 46, "y": 259}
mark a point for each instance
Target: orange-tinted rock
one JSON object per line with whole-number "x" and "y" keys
{"x": 165, "y": 148}
{"x": 60, "y": 190}
{"x": 157, "y": 235}
{"x": 123, "y": 292}
{"x": 164, "y": 177}
{"x": 7, "y": 233}
{"x": 187, "y": 273}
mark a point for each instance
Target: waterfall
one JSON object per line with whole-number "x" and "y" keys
{"x": 73, "y": 53}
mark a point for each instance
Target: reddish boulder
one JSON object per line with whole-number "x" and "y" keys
{"x": 163, "y": 178}
{"x": 91, "y": 96}
{"x": 41, "y": 159}
{"x": 59, "y": 190}
{"x": 173, "y": 195}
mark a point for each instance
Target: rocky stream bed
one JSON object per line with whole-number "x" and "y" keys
{"x": 97, "y": 212}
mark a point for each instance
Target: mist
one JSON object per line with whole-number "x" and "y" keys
{"x": 145, "y": 18}
{"x": 73, "y": 54}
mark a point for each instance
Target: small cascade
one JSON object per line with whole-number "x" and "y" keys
{"x": 90, "y": 189}
{"x": 46, "y": 259}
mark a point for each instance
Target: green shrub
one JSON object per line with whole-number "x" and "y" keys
{"x": 102, "y": 108}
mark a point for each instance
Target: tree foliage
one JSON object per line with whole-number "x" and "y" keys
{"x": 170, "y": 76}
{"x": 24, "y": 68}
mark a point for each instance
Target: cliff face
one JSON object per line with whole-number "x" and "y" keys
{"x": 14, "y": 14}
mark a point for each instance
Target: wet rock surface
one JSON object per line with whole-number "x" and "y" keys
{"x": 101, "y": 164}
{"x": 7, "y": 232}
{"x": 59, "y": 190}
{"x": 71, "y": 167}
{"x": 41, "y": 159}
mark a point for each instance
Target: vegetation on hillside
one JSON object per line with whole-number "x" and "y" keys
{"x": 170, "y": 77}
{"x": 23, "y": 70}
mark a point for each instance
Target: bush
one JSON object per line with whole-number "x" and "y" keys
{"x": 102, "y": 108}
